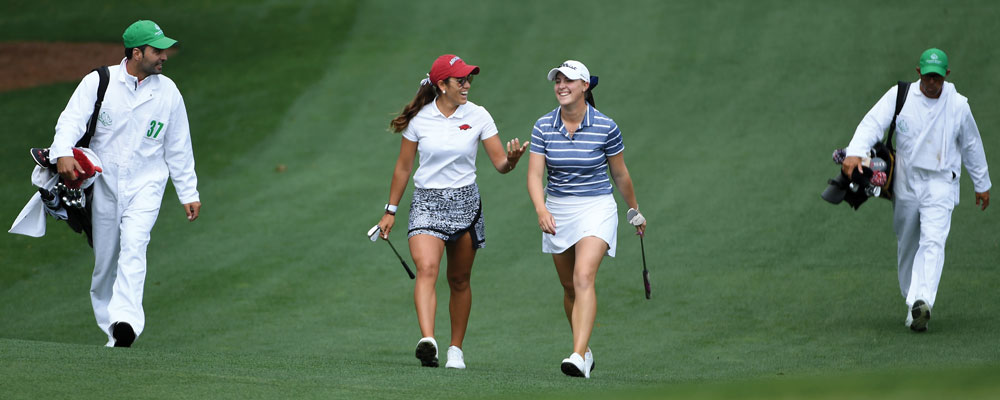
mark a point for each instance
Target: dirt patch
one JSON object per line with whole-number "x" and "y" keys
{"x": 29, "y": 64}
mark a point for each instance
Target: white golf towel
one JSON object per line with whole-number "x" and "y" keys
{"x": 930, "y": 150}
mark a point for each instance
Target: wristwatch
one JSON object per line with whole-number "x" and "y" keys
{"x": 391, "y": 209}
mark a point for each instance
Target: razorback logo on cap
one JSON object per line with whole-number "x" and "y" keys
{"x": 454, "y": 60}
{"x": 465, "y": 127}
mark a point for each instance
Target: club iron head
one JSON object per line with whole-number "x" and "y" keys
{"x": 373, "y": 233}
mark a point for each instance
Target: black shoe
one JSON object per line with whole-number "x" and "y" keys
{"x": 123, "y": 333}
{"x": 427, "y": 353}
{"x": 921, "y": 314}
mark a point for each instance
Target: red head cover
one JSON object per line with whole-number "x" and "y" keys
{"x": 89, "y": 169}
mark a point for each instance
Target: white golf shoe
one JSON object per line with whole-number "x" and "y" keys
{"x": 588, "y": 358}
{"x": 576, "y": 366}
{"x": 427, "y": 352}
{"x": 456, "y": 359}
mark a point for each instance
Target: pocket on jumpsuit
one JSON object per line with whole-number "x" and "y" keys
{"x": 151, "y": 142}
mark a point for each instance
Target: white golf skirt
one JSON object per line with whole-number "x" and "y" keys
{"x": 578, "y": 217}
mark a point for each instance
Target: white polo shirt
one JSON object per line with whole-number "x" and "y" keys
{"x": 448, "y": 145}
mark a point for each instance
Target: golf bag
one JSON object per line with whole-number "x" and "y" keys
{"x": 878, "y": 170}
{"x": 70, "y": 200}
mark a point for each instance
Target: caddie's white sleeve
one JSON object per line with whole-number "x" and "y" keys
{"x": 873, "y": 125}
{"x": 179, "y": 154}
{"x": 973, "y": 154}
{"x": 72, "y": 123}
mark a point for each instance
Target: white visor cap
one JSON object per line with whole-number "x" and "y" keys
{"x": 573, "y": 70}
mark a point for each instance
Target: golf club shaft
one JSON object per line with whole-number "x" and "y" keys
{"x": 645, "y": 272}
{"x": 407, "y": 267}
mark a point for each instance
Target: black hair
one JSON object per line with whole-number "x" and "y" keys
{"x": 425, "y": 95}
{"x": 589, "y": 94}
{"x": 128, "y": 50}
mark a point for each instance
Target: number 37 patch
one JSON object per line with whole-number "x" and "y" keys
{"x": 154, "y": 129}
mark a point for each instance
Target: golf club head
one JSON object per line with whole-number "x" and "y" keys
{"x": 879, "y": 164}
{"x": 631, "y": 214}
{"x": 374, "y": 232}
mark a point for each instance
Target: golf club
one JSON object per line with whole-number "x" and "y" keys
{"x": 645, "y": 272}
{"x": 373, "y": 235}
{"x": 632, "y": 213}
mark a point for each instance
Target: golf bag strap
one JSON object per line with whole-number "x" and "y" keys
{"x": 902, "y": 88}
{"x": 102, "y": 88}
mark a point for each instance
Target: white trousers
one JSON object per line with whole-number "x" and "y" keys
{"x": 922, "y": 219}
{"x": 122, "y": 220}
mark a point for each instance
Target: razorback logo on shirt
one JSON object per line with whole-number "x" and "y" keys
{"x": 465, "y": 127}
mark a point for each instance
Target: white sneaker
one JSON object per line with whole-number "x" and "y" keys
{"x": 576, "y": 366}
{"x": 456, "y": 359}
{"x": 588, "y": 358}
{"x": 427, "y": 352}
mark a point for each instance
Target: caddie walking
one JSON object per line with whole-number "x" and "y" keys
{"x": 935, "y": 136}
{"x": 142, "y": 138}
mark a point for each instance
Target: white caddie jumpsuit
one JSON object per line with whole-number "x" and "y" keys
{"x": 934, "y": 137}
{"x": 142, "y": 137}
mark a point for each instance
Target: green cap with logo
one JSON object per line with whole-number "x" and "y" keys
{"x": 146, "y": 32}
{"x": 934, "y": 61}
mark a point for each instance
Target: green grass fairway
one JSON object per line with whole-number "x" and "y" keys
{"x": 729, "y": 113}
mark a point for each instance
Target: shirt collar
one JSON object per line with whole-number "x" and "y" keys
{"x": 587, "y": 117}
{"x": 131, "y": 81}
{"x": 459, "y": 112}
{"x": 915, "y": 89}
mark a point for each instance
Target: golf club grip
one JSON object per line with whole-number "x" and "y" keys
{"x": 408, "y": 271}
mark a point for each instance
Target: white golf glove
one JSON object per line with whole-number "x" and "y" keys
{"x": 635, "y": 217}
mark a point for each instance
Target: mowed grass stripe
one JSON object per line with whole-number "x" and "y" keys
{"x": 729, "y": 113}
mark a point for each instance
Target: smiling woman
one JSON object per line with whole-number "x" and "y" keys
{"x": 577, "y": 214}
{"x": 444, "y": 128}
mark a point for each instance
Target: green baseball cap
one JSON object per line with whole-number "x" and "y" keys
{"x": 146, "y": 32}
{"x": 934, "y": 61}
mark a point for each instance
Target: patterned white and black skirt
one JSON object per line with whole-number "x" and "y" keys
{"x": 448, "y": 213}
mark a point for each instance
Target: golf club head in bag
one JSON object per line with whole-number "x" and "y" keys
{"x": 854, "y": 190}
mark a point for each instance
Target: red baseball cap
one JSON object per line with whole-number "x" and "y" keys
{"x": 450, "y": 65}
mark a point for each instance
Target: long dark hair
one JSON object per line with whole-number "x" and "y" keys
{"x": 589, "y": 94}
{"x": 425, "y": 95}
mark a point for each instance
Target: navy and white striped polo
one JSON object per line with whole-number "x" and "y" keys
{"x": 577, "y": 166}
